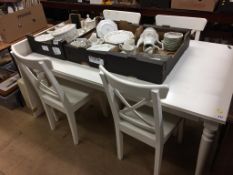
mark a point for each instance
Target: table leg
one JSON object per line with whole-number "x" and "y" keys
{"x": 207, "y": 139}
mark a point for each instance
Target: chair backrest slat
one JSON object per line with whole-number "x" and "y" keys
{"x": 194, "y": 23}
{"x": 38, "y": 72}
{"x": 115, "y": 15}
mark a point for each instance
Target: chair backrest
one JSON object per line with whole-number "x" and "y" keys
{"x": 38, "y": 72}
{"x": 117, "y": 89}
{"x": 194, "y": 23}
{"x": 115, "y": 15}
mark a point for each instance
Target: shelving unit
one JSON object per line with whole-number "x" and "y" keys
{"x": 223, "y": 18}
{"x": 219, "y": 28}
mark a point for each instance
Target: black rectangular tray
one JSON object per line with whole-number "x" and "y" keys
{"x": 143, "y": 67}
{"x": 53, "y": 50}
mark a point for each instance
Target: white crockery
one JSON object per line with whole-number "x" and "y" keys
{"x": 118, "y": 37}
{"x": 173, "y": 35}
{"x": 44, "y": 38}
{"x": 67, "y": 32}
{"x": 105, "y": 26}
{"x": 102, "y": 47}
{"x": 149, "y": 38}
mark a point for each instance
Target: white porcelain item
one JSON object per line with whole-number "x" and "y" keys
{"x": 173, "y": 35}
{"x": 149, "y": 37}
{"x": 105, "y": 26}
{"x": 67, "y": 32}
{"x": 81, "y": 42}
{"x": 44, "y": 38}
{"x": 118, "y": 37}
{"x": 102, "y": 47}
{"x": 89, "y": 23}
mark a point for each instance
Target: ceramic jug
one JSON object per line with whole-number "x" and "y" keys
{"x": 149, "y": 38}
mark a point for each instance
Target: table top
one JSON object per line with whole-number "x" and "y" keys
{"x": 200, "y": 84}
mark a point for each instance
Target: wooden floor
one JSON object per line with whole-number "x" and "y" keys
{"x": 29, "y": 147}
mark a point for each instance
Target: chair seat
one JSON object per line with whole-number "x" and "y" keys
{"x": 170, "y": 122}
{"x": 76, "y": 98}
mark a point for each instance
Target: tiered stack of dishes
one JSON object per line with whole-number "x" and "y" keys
{"x": 172, "y": 40}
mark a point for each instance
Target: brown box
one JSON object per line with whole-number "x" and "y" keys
{"x": 201, "y": 5}
{"x": 16, "y": 25}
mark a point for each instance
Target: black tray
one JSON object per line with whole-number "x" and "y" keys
{"x": 53, "y": 50}
{"x": 140, "y": 66}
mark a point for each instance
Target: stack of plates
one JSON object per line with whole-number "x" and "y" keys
{"x": 172, "y": 40}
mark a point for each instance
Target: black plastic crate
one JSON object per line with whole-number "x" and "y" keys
{"x": 53, "y": 50}
{"x": 11, "y": 101}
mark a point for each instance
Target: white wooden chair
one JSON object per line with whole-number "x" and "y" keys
{"x": 194, "y": 23}
{"x": 115, "y": 15}
{"x": 147, "y": 124}
{"x": 52, "y": 94}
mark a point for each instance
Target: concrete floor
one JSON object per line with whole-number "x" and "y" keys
{"x": 29, "y": 147}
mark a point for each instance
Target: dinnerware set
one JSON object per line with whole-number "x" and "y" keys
{"x": 172, "y": 40}
{"x": 108, "y": 36}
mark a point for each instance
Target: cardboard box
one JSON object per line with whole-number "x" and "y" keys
{"x": 201, "y": 5}
{"x": 16, "y": 25}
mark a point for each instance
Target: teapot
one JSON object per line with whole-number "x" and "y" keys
{"x": 149, "y": 38}
{"x": 89, "y": 23}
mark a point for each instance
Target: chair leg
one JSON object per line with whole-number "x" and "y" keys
{"x": 180, "y": 131}
{"x": 103, "y": 104}
{"x": 55, "y": 115}
{"x": 158, "y": 159}
{"x": 73, "y": 126}
{"x": 119, "y": 142}
{"x": 49, "y": 114}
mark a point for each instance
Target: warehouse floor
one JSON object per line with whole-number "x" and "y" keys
{"x": 28, "y": 146}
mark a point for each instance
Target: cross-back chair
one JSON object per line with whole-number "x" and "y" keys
{"x": 52, "y": 94}
{"x": 143, "y": 119}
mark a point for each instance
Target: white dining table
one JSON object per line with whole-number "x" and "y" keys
{"x": 200, "y": 86}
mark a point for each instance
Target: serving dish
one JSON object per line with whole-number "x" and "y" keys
{"x": 44, "y": 38}
{"x": 118, "y": 37}
{"x": 68, "y": 32}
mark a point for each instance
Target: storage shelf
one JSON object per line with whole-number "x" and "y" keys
{"x": 8, "y": 1}
{"x": 223, "y": 18}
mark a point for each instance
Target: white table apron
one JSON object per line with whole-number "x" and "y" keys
{"x": 200, "y": 87}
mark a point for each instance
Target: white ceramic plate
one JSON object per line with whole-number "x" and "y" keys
{"x": 44, "y": 38}
{"x": 173, "y": 35}
{"x": 105, "y": 26}
{"x": 64, "y": 29}
{"x": 118, "y": 37}
{"x": 102, "y": 47}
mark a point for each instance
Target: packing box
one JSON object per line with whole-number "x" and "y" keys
{"x": 201, "y": 5}
{"x": 16, "y": 25}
